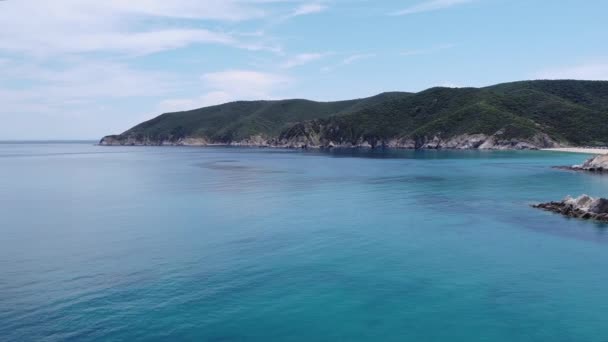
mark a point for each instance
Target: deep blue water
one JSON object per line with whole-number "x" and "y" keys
{"x": 225, "y": 244}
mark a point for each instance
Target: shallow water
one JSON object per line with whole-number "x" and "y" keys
{"x": 226, "y": 244}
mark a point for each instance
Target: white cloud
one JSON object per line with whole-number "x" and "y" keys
{"x": 244, "y": 82}
{"x": 139, "y": 43}
{"x": 450, "y": 85}
{"x": 69, "y": 100}
{"x": 431, "y": 5}
{"x": 229, "y": 10}
{"x": 301, "y": 10}
{"x": 78, "y": 26}
{"x": 208, "y": 99}
{"x": 349, "y": 60}
{"x": 89, "y": 80}
{"x": 589, "y": 71}
{"x": 69, "y": 64}
{"x": 302, "y": 59}
{"x": 306, "y": 9}
{"x": 230, "y": 85}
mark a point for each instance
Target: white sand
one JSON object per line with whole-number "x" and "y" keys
{"x": 578, "y": 150}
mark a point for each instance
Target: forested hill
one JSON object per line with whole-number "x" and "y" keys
{"x": 527, "y": 114}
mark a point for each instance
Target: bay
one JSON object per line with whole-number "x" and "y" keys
{"x": 236, "y": 244}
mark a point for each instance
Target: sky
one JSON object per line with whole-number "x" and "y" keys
{"x": 82, "y": 69}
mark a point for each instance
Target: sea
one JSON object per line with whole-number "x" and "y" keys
{"x": 251, "y": 244}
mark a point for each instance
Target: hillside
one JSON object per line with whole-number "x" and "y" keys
{"x": 528, "y": 114}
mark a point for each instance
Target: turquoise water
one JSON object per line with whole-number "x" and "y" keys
{"x": 226, "y": 244}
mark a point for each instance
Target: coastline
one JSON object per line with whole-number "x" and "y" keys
{"x": 582, "y": 150}
{"x": 314, "y": 141}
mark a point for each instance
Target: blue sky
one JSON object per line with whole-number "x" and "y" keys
{"x": 80, "y": 69}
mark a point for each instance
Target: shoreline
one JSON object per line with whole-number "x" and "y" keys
{"x": 581, "y": 150}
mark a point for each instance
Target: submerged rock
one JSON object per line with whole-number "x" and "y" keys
{"x": 583, "y": 207}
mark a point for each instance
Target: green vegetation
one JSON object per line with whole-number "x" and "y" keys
{"x": 235, "y": 121}
{"x": 573, "y": 112}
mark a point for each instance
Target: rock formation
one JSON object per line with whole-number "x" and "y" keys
{"x": 311, "y": 138}
{"x": 595, "y": 164}
{"x": 583, "y": 207}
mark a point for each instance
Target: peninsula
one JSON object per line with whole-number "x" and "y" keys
{"x": 519, "y": 115}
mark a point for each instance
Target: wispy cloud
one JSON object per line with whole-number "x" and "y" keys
{"x": 137, "y": 43}
{"x": 80, "y": 79}
{"x": 230, "y": 85}
{"x": 349, "y": 60}
{"x": 428, "y": 50}
{"x": 302, "y": 9}
{"x": 73, "y": 26}
{"x": 223, "y": 10}
{"x": 73, "y": 63}
{"x": 431, "y": 5}
{"x": 353, "y": 58}
{"x": 311, "y": 8}
{"x": 302, "y": 59}
{"x": 450, "y": 85}
{"x": 69, "y": 100}
{"x": 589, "y": 71}
{"x": 247, "y": 82}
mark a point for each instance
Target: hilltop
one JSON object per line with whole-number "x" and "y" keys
{"x": 518, "y": 115}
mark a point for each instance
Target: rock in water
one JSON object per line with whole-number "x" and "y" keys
{"x": 584, "y": 207}
{"x": 595, "y": 164}
{"x": 599, "y": 206}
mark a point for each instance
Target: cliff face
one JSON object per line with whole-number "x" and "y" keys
{"x": 520, "y": 115}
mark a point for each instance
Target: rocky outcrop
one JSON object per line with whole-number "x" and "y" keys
{"x": 492, "y": 142}
{"x": 328, "y": 134}
{"x": 320, "y": 136}
{"x": 119, "y": 140}
{"x": 310, "y": 136}
{"x": 595, "y": 164}
{"x": 324, "y": 133}
{"x": 583, "y": 207}
{"x": 111, "y": 140}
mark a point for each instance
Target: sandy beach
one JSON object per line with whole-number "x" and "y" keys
{"x": 584, "y": 150}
